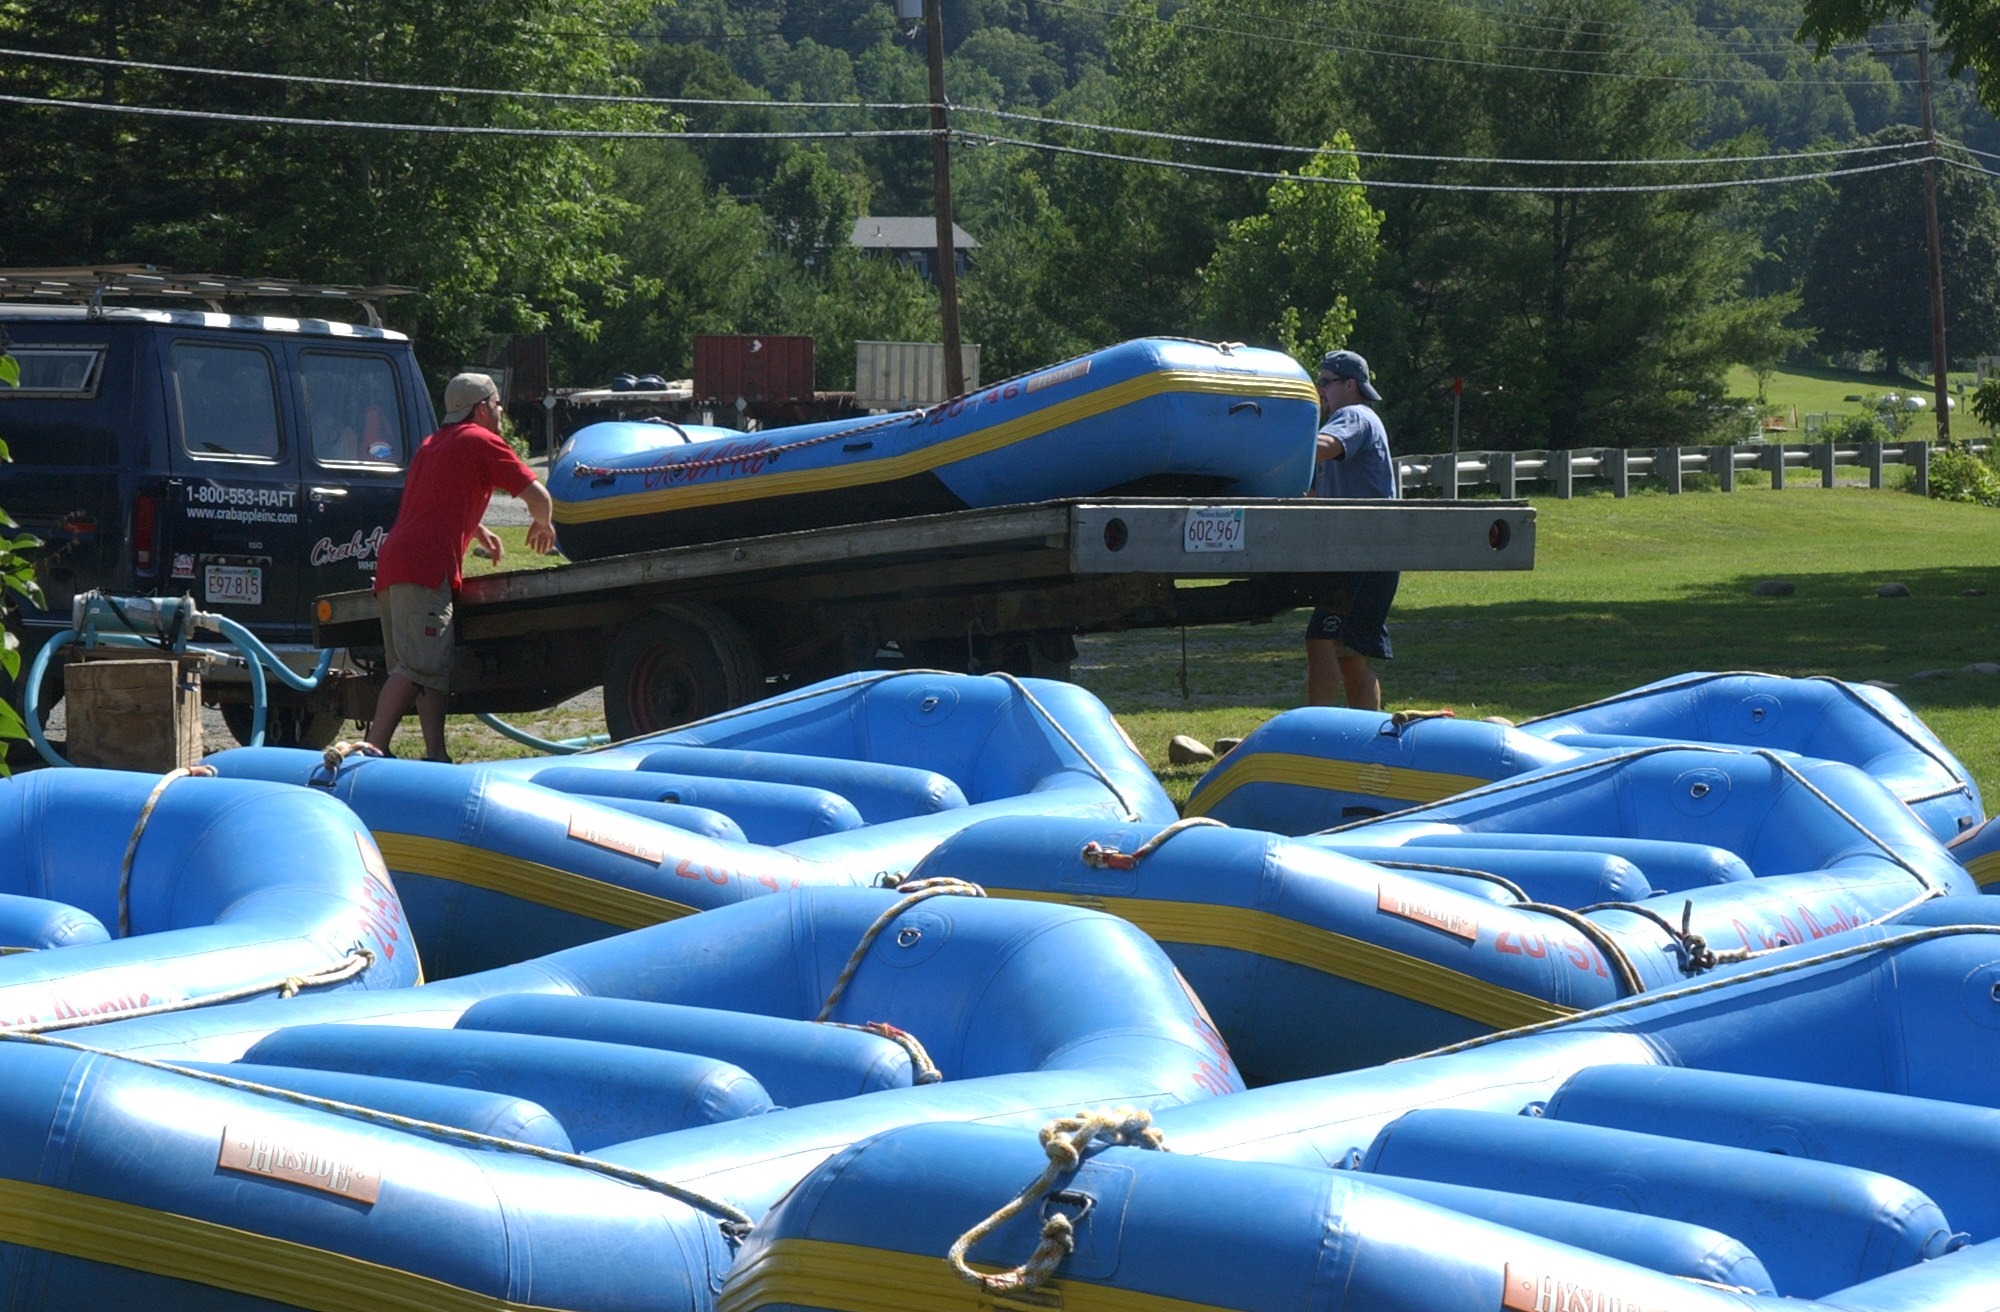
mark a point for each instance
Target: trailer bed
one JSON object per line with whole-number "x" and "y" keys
{"x": 1001, "y": 587}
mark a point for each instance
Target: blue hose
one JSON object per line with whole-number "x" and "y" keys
{"x": 31, "y": 693}
{"x": 554, "y": 747}
{"x": 256, "y": 658}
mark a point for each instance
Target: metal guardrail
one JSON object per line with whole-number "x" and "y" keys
{"x": 1669, "y": 465}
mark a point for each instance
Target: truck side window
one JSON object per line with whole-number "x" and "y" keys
{"x": 70, "y": 371}
{"x": 228, "y": 400}
{"x": 353, "y": 415}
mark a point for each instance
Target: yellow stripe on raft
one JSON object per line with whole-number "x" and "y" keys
{"x": 1394, "y": 781}
{"x": 531, "y": 881}
{"x": 1984, "y": 869}
{"x": 221, "y": 1257}
{"x": 1323, "y": 950}
{"x": 850, "y": 1278}
{"x": 976, "y": 443}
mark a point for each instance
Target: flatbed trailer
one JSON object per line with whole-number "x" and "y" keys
{"x": 676, "y": 634}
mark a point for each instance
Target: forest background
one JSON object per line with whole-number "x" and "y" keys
{"x": 1587, "y": 210}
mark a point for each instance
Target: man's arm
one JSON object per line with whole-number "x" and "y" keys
{"x": 1328, "y": 447}
{"x": 541, "y": 529}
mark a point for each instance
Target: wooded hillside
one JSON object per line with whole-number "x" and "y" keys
{"x": 1572, "y": 205}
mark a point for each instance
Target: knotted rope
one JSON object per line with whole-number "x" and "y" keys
{"x": 354, "y": 963}
{"x": 924, "y": 1070}
{"x": 330, "y": 759}
{"x": 138, "y": 831}
{"x": 1099, "y": 857}
{"x": 1064, "y": 1140}
{"x": 1402, "y": 720}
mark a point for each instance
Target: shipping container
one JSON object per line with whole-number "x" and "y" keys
{"x": 758, "y": 369}
{"x": 906, "y": 375}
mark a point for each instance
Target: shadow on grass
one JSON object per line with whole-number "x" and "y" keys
{"x": 1531, "y": 657}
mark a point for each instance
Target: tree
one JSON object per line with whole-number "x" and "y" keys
{"x": 694, "y": 263}
{"x": 1582, "y": 316}
{"x": 1008, "y": 297}
{"x": 497, "y": 232}
{"x": 812, "y": 206}
{"x": 1867, "y": 284}
{"x": 1286, "y": 274}
{"x": 856, "y": 296}
{"x": 1968, "y": 31}
{"x": 17, "y": 579}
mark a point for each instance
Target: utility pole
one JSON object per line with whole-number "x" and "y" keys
{"x": 1940, "y": 362}
{"x": 947, "y": 249}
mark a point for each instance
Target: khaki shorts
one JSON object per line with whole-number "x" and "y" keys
{"x": 417, "y": 633}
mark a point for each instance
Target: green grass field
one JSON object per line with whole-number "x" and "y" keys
{"x": 1623, "y": 592}
{"x": 1801, "y": 391}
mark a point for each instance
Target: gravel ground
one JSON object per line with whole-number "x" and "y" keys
{"x": 470, "y": 739}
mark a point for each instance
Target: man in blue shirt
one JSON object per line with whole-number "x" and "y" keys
{"x": 1353, "y": 462}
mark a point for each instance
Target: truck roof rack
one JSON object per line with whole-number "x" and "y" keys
{"x": 92, "y": 285}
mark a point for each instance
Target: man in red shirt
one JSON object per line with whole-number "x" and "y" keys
{"x": 421, "y": 563}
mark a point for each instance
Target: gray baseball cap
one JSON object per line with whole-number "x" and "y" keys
{"x": 465, "y": 391}
{"x": 1346, "y": 364}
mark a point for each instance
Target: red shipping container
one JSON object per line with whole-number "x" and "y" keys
{"x": 760, "y": 369}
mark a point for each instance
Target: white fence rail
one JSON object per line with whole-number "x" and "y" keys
{"x": 1668, "y": 465}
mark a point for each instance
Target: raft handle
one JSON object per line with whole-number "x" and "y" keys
{"x": 1257, "y": 406}
{"x": 1076, "y": 1198}
{"x": 858, "y": 446}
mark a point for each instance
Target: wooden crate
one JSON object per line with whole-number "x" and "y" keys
{"x": 131, "y": 710}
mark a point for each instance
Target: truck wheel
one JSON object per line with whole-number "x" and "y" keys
{"x": 677, "y": 663}
{"x": 286, "y": 726}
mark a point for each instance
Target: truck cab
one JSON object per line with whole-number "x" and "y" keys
{"x": 249, "y": 461}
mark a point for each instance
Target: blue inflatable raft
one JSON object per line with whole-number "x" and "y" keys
{"x": 661, "y": 1053}
{"x": 1157, "y": 416}
{"x": 1817, "y": 1132}
{"x": 1317, "y": 767}
{"x": 846, "y": 782}
{"x": 127, "y": 892}
{"x": 1396, "y": 935}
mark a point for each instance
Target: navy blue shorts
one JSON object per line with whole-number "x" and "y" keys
{"x": 1362, "y": 625}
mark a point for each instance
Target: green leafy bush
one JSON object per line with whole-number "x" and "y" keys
{"x": 17, "y": 578}
{"x": 1959, "y": 475}
{"x": 1854, "y": 428}
{"x": 1986, "y": 403}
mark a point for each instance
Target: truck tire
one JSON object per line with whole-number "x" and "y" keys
{"x": 676, "y": 663}
{"x": 311, "y": 727}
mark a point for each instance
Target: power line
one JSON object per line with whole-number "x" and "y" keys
{"x": 1970, "y": 166}
{"x": 1184, "y": 139}
{"x": 452, "y": 129}
{"x": 439, "y": 129}
{"x": 1392, "y": 184}
{"x": 599, "y": 98}
{"x": 313, "y": 79}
